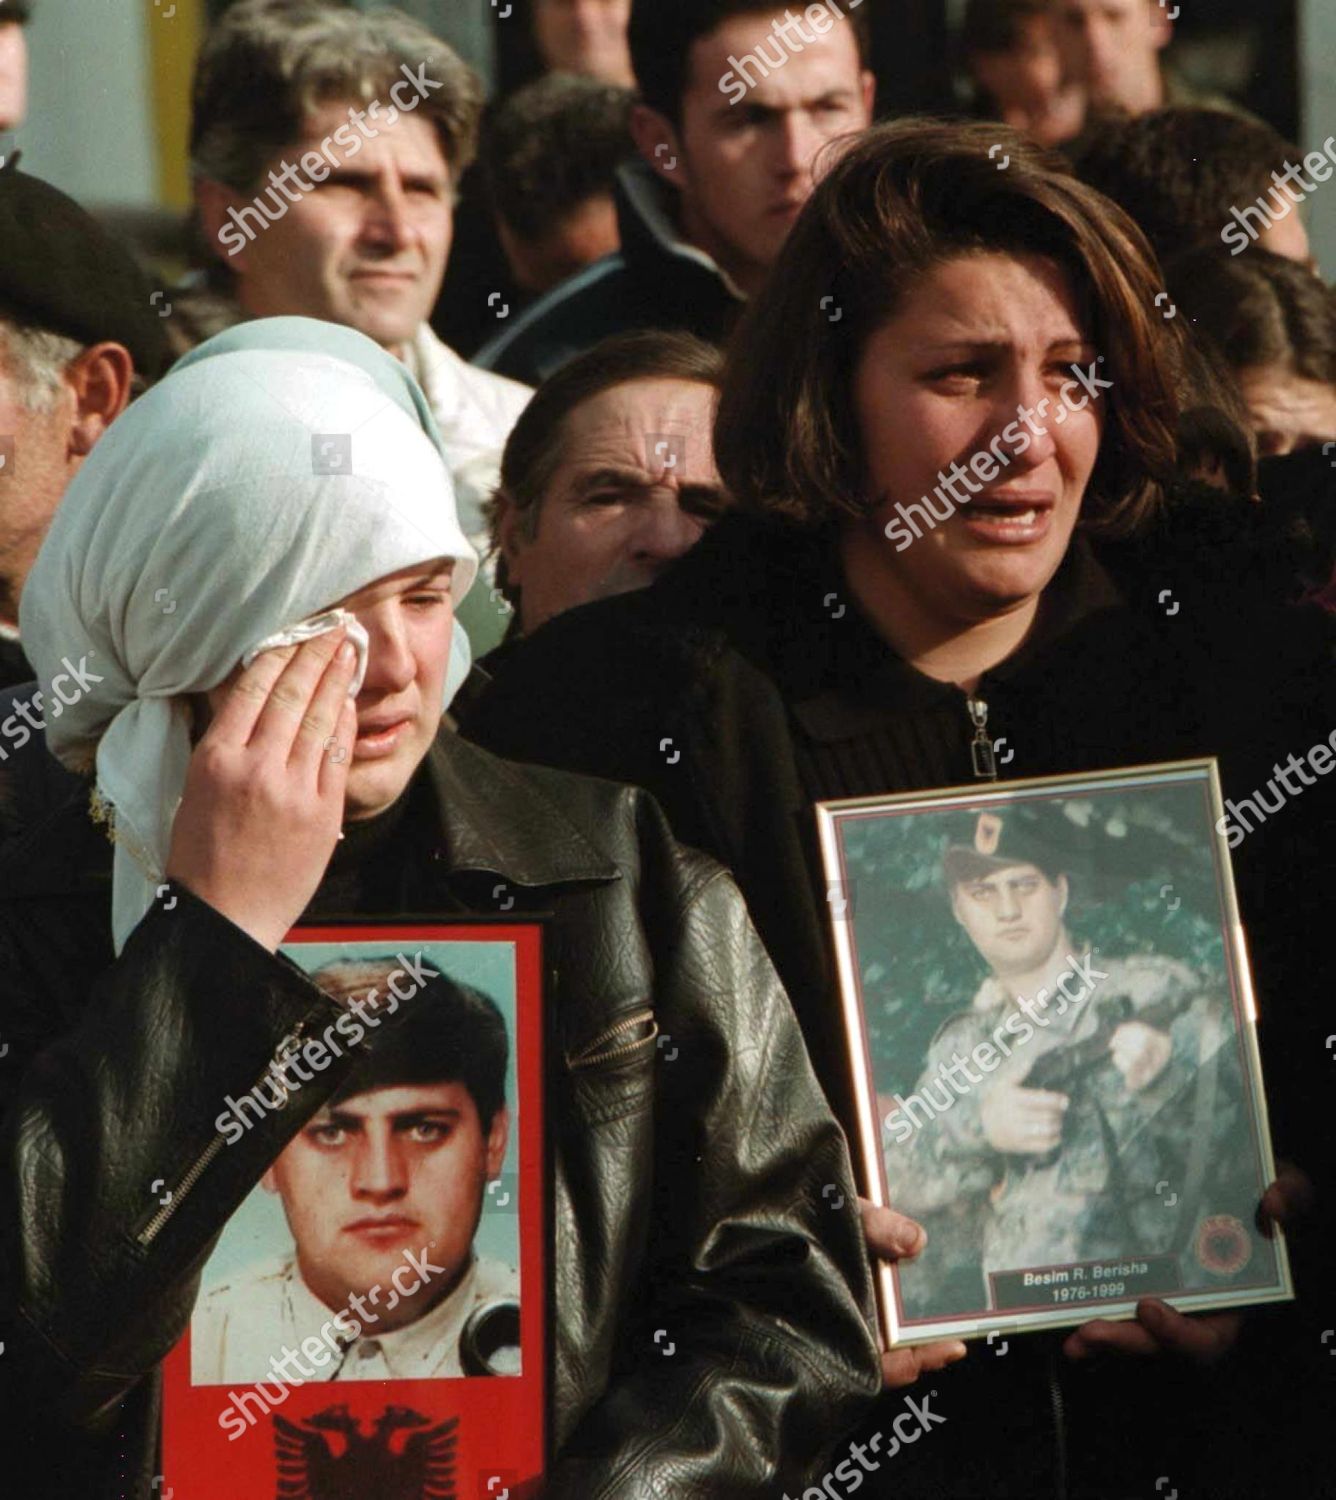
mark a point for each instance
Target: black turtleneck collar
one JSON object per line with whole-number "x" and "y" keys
{"x": 778, "y": 592}
{"x": 371, "y": 868}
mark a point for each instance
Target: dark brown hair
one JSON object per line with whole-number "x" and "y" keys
{"x": 444, "y": 1032}
{"x": 1216, "y": 442}
{"x": 906, "y": 197}
{"x": 1179, "y": 171}
{"x": 1258, "y": 309}
{"x": 552, "y": 147}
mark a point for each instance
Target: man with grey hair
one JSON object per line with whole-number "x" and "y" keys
{"x": 327, "y": 146}
{"x": 78, "y": 334}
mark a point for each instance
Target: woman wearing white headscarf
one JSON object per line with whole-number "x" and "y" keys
{"x": 213, "y": 797}
{"x": 278, "y": 480}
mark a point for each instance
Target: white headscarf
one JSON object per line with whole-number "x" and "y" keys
{"x": 199, "y": 526}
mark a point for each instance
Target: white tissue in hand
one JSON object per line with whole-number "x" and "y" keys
{"x": 307, "y": 630}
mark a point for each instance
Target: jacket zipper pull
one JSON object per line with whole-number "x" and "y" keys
{"x": 981, "y": 749}
{"x": 283, "y": 1054}
{"x": 283, "y": 1091}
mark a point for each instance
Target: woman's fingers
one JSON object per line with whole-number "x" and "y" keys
{"x": 902, "y": 1367}
{"x": 317, "y": 731}
{"x": 1103, "y": 1335}
{"x": 288, "y": 711}
{"x": 1287, "y": 1201}
{"x": 336, "y": 756}
{"x": 893, "y": 1236}
{"x": 1158, "y": 1329}
{"x": 261, "y": 811}
{"x": 235, "y": 721}
{"x": 1201, "y": 1337}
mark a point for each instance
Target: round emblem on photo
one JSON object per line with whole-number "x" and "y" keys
{"x": 1223, "y": 1245}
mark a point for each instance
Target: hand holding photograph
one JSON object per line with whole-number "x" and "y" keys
{"x": 1053, "y": 1034}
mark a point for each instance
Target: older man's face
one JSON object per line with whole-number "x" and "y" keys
{"x": 635, "y": 488}
{"x": 35, "y": 447}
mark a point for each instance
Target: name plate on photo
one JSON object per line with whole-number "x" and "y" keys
{"x": 1087, "y": 1283}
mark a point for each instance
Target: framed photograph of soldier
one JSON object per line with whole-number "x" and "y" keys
{"x": 372, "y": 1318}
{"x": 1053, "y": 1037}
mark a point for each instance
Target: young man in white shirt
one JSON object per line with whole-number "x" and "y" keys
{"x": 382, "y": 1190}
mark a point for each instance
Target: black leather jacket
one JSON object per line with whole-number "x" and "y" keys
{"x": 708, "y": 1215}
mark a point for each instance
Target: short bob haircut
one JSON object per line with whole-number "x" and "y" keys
{"x": 904, "y": 198}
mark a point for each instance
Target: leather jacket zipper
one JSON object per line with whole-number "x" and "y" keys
{"x": 204, "y": 1160}
{"x": 981, "y": 748}
{"x": 599, "y": 1051}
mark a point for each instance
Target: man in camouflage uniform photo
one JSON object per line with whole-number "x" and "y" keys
{"x": 1097, "y": 1090}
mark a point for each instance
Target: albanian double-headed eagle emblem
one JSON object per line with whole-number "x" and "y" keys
{"x": 329, "y": 1457}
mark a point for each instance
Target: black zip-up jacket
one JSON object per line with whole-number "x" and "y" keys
{"x": 745, "y": 682}
{"x": 656, "y": 280}
{"x": 687, "y": 1195}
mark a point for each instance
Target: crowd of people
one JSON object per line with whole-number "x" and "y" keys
{"x": 751, "y": 450}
